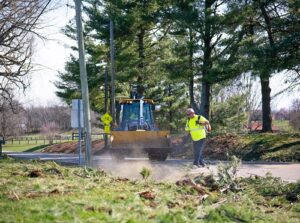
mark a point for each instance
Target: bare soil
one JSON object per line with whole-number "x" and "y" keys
{"x": 72, "y": 147}
{"x": 217, "y": 147}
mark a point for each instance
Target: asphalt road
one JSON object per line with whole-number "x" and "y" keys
{"x": 170, "y": 170}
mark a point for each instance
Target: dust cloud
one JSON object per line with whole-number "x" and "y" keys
{"x": 131, "y": 168}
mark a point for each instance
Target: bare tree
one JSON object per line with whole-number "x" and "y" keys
{"x": 11, "y": 118}
{"x": 18, "y": 22}
{"x": 295, "y": 114}
{"x": 50, "y": 129}
{"x": 39, "y": 117}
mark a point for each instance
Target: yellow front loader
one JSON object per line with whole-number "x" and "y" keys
{"x": 137, "y": 133}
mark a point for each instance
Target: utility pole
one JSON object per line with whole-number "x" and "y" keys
{"x": 84, "y": 84}
{"x": 105, "y": 104}
{"x": 112, "y": 71}
{"x": 106, "y": 90}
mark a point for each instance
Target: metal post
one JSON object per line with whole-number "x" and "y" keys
{"x": 79, "y": 132}
{"x": 112, "y": 70}
{"x": 106, "y": 90}
{"x": 84, "y": 84}
{"x": 105, "y": 103}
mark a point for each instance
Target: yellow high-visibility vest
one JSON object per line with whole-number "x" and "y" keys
{"x": 196, "y": 130}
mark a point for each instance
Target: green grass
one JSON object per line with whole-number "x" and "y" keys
{"x": 28, "y": 146}
{"x": 33, "y": 191}
{"x": 29, "y": 143}
{"x": 269, "y": 147}
{"x": 24, "y": 146}
{"x": 279, "y": 147}
{"x": 283, "y": 125}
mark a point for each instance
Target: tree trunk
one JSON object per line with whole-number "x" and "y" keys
{"x": 191, "y": 91}
{"x": 170, "y": 105}
{"x": 205, "y": 99}
{"x": 141, "y": 65}
{"x": 141, "y": 48}
{"x": 264, "y": 77}
{"x": 191, "y": 82}
{"x": 266, "y": 104}
{"x": 207, "y": 63}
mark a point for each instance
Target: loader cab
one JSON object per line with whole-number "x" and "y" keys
{"x": 136, "y": 115}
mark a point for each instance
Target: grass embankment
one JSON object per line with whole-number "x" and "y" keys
{"x": 269, "y": 147}
{"x": 47, "y": 192}
{"x": 256, "y": 147}
{"x": 250, "y": 147}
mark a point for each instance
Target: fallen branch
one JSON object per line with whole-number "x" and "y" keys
{"x": 216, "y": 205}
{"x": 16, "y": 196}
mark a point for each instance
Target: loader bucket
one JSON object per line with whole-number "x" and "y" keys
{"x": 135, "y": 143}
{"x": 140, "y": 140}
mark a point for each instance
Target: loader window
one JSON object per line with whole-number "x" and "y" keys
{"x": 146, "y": 113}
{"x": 132, "y": 112}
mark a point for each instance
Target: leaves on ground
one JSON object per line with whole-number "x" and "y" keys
{"x": 147, "y": 195}
{"x": 71, "y": 194}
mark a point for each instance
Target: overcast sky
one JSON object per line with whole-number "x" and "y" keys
{"x": 51, "y": 55}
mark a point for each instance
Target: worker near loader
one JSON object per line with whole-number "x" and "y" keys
{"x": 197, "y": 126}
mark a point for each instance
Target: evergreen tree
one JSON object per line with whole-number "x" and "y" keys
{"x": 272, "y": 44}
{"x": 214, "y": 34}
{"x": 141, "y": 43}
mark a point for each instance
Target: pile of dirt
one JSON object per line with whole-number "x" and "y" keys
{"x": 217, "y": 147}
{"x": 220, "y": 147}
{"x": 72, "y": 147}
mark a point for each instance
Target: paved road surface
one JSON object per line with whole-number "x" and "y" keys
{"x": 170, "y": 170}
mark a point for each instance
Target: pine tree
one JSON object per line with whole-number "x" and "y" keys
{"x": 272, "y": 44}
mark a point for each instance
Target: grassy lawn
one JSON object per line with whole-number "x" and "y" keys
{"x": 28, "y": 146}
{"x": 270, "y": 147}
{"x": 283, "y": 125}
{"x": 33, "y": 191}
{"x": 24, "y": 146}
{"x": 281, "y": 147}
{"x": 35, "y": 142}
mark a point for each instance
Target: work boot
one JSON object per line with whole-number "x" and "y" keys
{"x": 202, "y": 164}
{"x": 196, "y": 166}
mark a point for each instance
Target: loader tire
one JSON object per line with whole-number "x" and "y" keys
{"x": 157, "y": 156}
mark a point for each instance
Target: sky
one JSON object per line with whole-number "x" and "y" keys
{"x": 50, "y": 57}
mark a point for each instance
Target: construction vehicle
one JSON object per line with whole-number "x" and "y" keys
{"x": 137, "y": 133}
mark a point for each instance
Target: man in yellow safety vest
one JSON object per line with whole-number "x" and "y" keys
{"x": 197, "y": 126}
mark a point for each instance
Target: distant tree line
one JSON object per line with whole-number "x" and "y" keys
{"x": 21, "y": 120}
{"x": 16, "y": 120}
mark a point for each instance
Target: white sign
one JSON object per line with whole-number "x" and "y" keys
{"x": 77, "y": 113}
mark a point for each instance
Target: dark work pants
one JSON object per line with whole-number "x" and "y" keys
{"x": 198, "y": 150}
